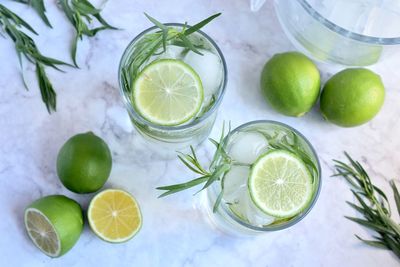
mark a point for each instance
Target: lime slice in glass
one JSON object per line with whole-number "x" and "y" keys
{"x": 280, "y": 184}
{"x": 54, "y": 224}
{"x": 168, "y": 92}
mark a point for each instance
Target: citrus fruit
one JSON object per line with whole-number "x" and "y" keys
{"x": 168, "y": 92}
{"x": 280, "y": 184}
{"x": 290, "y": 82}
{"x": 84, "y": 163}
{"x": 352, "y": 97}
{"x": 54, "y": 224}
{"x": 114, "y": 215}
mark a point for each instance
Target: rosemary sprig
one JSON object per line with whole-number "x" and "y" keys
{"x": 155, "y": 43}
{"x": 373, "y": 206}
{"x": 81, "y": 13}
{"x": 13, "y": 25}
{"x": 220, "y": 165}
{"x": 39, "y": 7}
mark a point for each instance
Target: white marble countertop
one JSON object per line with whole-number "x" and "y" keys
{"x": 174, "y": 233}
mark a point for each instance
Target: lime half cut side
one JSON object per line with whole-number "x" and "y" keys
{"x": 280, "y": 184}
{"x": 42, "y": 232}
{"x": 168, "y": 92}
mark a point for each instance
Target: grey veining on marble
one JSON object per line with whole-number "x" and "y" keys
{"x": 174, "y": 232}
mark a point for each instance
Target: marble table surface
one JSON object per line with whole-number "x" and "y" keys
{"x": 174, "y": 232}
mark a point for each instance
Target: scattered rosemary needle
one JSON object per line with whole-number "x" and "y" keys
{"x": 13, "y": 25}
{"x": 81, "y": 13}
{"x": 373, "y": 206}
{"x": 155, "y": 43}
{"x": 38, "y": 5}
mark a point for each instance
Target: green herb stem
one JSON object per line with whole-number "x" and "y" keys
{"x": 13, "y": 25}
{"x": 373, "y": 206}
{"x": 81, "y": 13}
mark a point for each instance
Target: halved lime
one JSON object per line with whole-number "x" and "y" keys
{"x": 54, "y": 223}
{"x": 114, "y": 215}
{"x": 280, "y": 184}
{"x": 168, "y": 92}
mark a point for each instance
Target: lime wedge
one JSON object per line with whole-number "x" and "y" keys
{"x": 280, "y": 184}
{"x": 168, "y": 92}
{"x": 54, "y": 224}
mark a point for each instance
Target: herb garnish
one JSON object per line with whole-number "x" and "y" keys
{"x": 12, "y": 25}
{"x": 373, "y": 205}
{"x": 81, "y": 13}
{"x": 150, "y": 44}
{"x": 221, "y": 164}
{"x": 38, "y": 5}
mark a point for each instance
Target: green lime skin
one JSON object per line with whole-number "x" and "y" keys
{"x": 352, "y": 97}
{"x": 66, "y": 217}
{"x": 290, "y": 82}
{"x": 84, "y": 163}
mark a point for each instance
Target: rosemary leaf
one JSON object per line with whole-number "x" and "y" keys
{"x": 171, "y": 189}
{"x": 371, "y": 225}
{"x": 374, "y": 243}
{"x": 184, "y": 161}
{"x": 39, "y": 7}
{"x": 46, "y": 88}
{"x": 220, "y": 195}
{"x": 201, "y": 24}
{"x": 396, "y": 195}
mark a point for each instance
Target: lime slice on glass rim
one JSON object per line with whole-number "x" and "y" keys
{"x": 168, "y": 92}
{"x": 280, "y": 184}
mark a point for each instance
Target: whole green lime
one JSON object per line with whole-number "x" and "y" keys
{"x": 290, "y": 82}
{"x": 84, "y": 163}
{"x": 54, "y": 224}
{"x": 352, "y": 97}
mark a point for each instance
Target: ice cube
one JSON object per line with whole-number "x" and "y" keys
{"x": 247, "y": 147}
{"x": 248, "y": 211}
{"x": 209, "y": 67}
{"x": 255, "y": 215}
{"x": 235, "y": 182}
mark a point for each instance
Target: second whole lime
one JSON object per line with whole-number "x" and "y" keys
{"x": 84, "y": 163}
{"x": 291, "y": 83}
{"x": 352, "y": 97}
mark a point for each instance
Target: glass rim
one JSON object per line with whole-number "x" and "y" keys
{"x": 207, "y": 114}
{"x": 373, "y": 40}
{"x": 313, "y": 200}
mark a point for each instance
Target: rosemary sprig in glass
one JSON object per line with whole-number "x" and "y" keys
{"x": 39, "y": 7}
{"x": 13, "y": 25}
{"x": 221, "y": 164}
{"x": 373, "y": 206}
{"x": 81, "y": 13}
{"x": 151, "y": 43}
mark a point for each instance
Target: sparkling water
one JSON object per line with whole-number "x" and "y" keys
{"x": 244, "y": 147}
